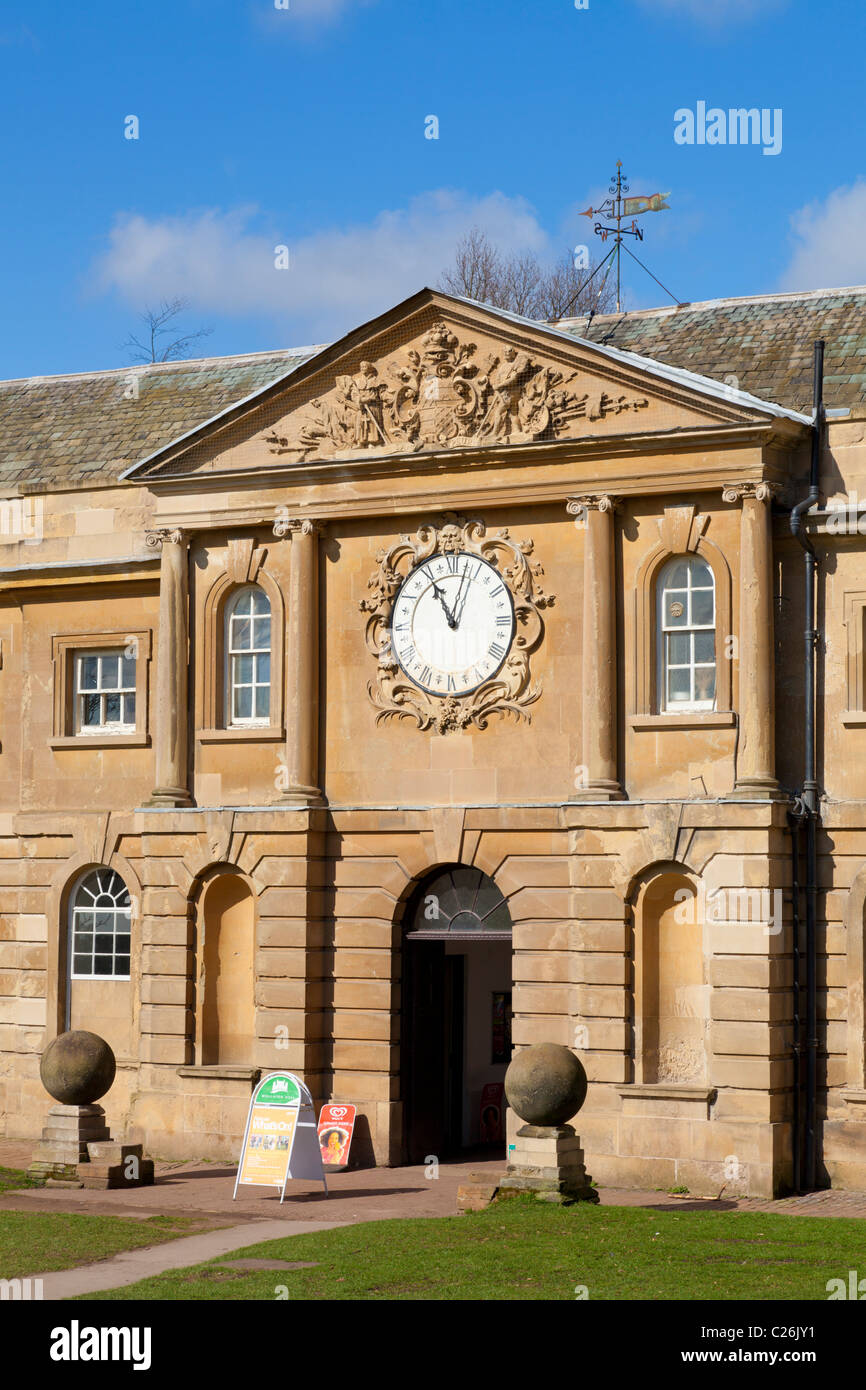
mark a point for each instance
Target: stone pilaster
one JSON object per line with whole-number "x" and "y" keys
{"x": 756, "y": 753}
{"x": 600, "y": 780}
{"x": 302, "y": 664}
{"x": 171, "y": 712}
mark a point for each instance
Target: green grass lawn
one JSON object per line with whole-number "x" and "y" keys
{"x": 12, "y": 1178}
{"x": 36, "y": 1242}
{"x": 526, "y": 1250}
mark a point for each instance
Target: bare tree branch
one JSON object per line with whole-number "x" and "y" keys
{"x": 159, "y": 323}
{"x": 520, "y": 284}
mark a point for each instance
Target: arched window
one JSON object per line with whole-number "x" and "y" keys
{"x": 100, "y": 927}
{"x": 248, "y": 657}
{"x": 686, "y": 618}
{"x": 457, "y": 902}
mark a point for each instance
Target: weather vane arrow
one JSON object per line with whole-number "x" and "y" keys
{"x": 617, "y": 208}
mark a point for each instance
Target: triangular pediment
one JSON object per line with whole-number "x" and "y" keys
{"x": 439, "y": 374}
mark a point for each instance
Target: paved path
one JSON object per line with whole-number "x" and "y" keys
{"x": 133, "y": 1265}
{"x": 203, "y": 1191}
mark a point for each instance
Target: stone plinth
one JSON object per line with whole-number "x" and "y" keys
{"x": 548, "y": 1160}
{"x": 116, "y": 1165}
{"x": 76, "y": 1149}
{"x": 478, "y": 1191}
{"x": 65, "y": 1138}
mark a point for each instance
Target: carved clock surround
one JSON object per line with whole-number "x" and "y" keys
{"x": 513, "y": 688}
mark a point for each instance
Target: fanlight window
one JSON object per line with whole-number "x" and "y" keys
{"x": 687, "y": 635}
{"x": 458, "y": 902}
{"x": 248, "y": 658}
{"x": 101, "y": 925}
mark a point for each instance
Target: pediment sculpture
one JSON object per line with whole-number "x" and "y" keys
{"x": 441, "y": 397}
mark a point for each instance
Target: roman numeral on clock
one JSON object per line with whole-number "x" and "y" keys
{"x": 496, "y": 651}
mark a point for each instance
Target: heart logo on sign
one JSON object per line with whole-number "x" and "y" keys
{"x": 338, "y": 1111}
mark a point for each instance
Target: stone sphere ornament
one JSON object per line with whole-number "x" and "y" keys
{"x": 545, "y": 1084}
{"x": 77, "y": 1068}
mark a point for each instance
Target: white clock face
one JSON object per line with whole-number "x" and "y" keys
{"x": 452, "y": 624}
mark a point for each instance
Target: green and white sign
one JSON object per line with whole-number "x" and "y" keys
{"x": 280, "y": 1140}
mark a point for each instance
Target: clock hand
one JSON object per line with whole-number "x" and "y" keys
{"x": 465, "y": 594}
{"x": 448, "y": 614}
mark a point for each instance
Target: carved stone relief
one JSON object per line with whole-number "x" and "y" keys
{"x": 439, "y": 396}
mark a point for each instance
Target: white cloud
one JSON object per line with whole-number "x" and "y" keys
{"x": 223, "y": 262}
{"x": 320, "y": 9}
{"x": 829, "y": 247}
{"x": 311, "y": 13}
{"x": 715, "y": 12}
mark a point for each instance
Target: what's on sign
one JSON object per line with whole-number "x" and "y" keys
{"x": 270, "y": 1135}
{"x": 277, "y": 1141}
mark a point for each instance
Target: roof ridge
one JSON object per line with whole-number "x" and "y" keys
{"x": 141, "y": 367}
{"x": 776, "y": 297}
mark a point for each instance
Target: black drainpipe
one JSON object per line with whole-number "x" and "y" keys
{"x": 807, "y": 810}
{"x": 795, "y": 817}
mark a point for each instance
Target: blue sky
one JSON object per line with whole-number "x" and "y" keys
{"x": 305, "y": 127}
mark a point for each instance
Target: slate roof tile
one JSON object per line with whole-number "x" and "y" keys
{"x": 71, "y": 431}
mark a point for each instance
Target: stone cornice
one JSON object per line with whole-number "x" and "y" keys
{"x": 715, "y": 436}
{"x": 473, "y": 492}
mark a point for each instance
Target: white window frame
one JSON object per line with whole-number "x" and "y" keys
{"x": 110, "y": 885}
{"x": 688, "y": 629}
{"x": 252, "y": 721}
{"x": 79, "y": 694}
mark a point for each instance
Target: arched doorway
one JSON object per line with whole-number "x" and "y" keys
{"x": 456, "y": 1013}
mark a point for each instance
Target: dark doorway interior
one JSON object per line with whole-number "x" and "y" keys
{"x": 433, "y": 1051}
{"x": 456, "y": 1014}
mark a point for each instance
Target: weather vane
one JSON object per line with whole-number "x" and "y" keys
{"x": 617, "y": 208}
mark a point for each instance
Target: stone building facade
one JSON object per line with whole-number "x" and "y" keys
{"x": 358, "y": 700}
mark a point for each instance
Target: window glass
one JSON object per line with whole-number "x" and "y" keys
{"x": 686, "y": 635}
{"x": 104, "y": 692}
{"x": 248, "y": 651}
{"x": 100, "y": 927}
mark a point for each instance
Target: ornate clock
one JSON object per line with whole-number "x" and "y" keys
{"x": 454, "y": 618}
{"x": 453, "y": 623}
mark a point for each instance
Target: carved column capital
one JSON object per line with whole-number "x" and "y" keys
{"x": 763, "y": 491}
{"x": 582, "y": 503}
{"x": 173, "y": 534}
{"x": 307, "y": 526}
